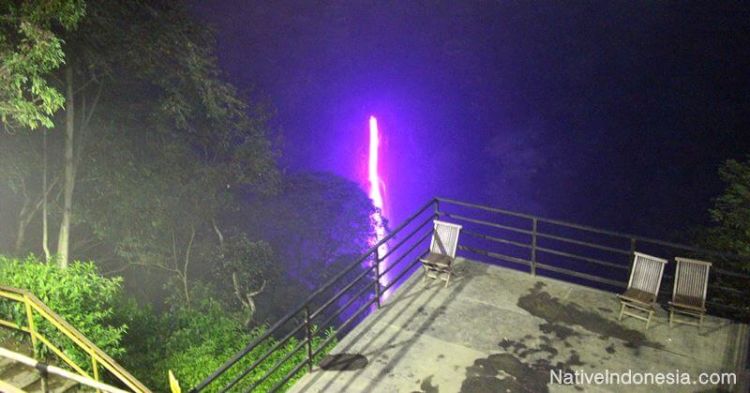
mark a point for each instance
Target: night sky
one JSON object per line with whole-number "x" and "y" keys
{"x": 614, "y": 114}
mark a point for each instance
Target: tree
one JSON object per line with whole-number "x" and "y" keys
{"x": 731, "y": 211}
{"x": 316, "y": 224}
{"x": 30, "y": 50}
{"x": 175, "y": 143}
{"x": 21, "y": 163}
{"x": 154, "y": 54}
{"x": 249, "y": 266}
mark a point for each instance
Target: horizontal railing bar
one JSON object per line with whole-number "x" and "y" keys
{"x": 343, "y": 325}
{"x": 391, "y": 250}
{"x": 496, "y": 255}
{"x": 723, "y": 288}
{"x": 731, "y": 274}
{"x": 401, "y": 258}
{"x": 712, "y": 304}
{"x": 320, "y": 348}
{"x": 582, "y": 243}
{"x": 573, "y": 273}
{"x": 395, "y": 280}
{"x": 593, "y": 229}
{"x": 276, "y": 365}
{"x": 341, "y": 292}
{"x": 263, "y": 357}
{"x": 486, "y": 208}
{"x": 486, "y": 223}
{"x": 345, "y": 306}
{"x": 287, "y": 377}
{"x": 13, "y": 325}
{"x": 587, "y": 259}
{"x": 59, "y": 372}
{"x": 240, "y": 354}
{"x": 494, "y": 239}
{"x": 59, "y": 352}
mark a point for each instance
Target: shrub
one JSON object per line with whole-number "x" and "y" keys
{"x": 78, "y": 294}
{"x": 202, "y": 338}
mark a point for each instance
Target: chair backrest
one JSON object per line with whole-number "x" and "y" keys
{"x": 646, "y": 273}
{"x": 691, "y": 278}
{"x": 445, "y": 238}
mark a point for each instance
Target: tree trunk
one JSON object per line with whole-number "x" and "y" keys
{"x": 23, "y": 222}
{"x": 45, "y": 232}
{"x": 184, "y": 274}
{"x": 63, "y": 241}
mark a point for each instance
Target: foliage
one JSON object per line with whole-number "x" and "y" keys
{"x": 78, "y": 294}
{"x": 315, "y": 220}
{"x": 243, "y": 270}
{"x": 193, "y": 342}
{"x": 317, "y": 224}
{"x": 731, "y": 211}
{"x": 164, "y": 165}
{"x": 29, "y": 50}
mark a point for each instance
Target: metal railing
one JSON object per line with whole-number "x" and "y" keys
{"x": 359, "y": 288}
{"x": 34, "y": 307}
{"x": 46, "y": 369}
{"x": 583, "y": 254}
{"x": 553, "y": 248}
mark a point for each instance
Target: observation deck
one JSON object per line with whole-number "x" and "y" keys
{"x": 532, "y": 299}
{"x": 500, "y": 330}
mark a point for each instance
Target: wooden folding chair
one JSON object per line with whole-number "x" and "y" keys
{"x": 439, "y": 262}
{"x": 689, "y": 292}
{"x": 643, "y": 287}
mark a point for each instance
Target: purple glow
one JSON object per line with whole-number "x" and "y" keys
{"x": 377, "y": 189}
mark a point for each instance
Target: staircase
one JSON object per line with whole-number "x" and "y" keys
{"x": 24, "y": 377}
{"x": 29, "y": 380}
{"x": 19, "y": 371}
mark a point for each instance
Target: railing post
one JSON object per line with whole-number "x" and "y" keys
{"x": 95, "y": 369}
{"x": 44, "y": 379}
{"x": 377, "y": 276}
{"x": 534, "y": 223}
{"x": 30, "y": 325}
{"x": 308, "y": 338}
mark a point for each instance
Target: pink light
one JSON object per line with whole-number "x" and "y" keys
{"x": 376, "y": 193}
{"x": 372, "y": 167}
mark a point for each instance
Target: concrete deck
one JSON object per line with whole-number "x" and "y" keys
{"x": 498, "y": 330}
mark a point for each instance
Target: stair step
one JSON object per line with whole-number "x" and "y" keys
{"x": 20, "y": 376}
{"x": 5, "y": 363}
{"x": 68, "y": 385}
{"x": 56, "y": 385}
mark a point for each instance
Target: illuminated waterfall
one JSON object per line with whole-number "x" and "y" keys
{"x": 377, "y": 190}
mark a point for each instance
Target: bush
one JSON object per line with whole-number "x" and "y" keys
{"x": 78, "y": 294}
{"x": 194, "y": 342}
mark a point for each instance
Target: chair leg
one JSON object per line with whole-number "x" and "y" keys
{"x": 622, "y": 310}
{"x": 447, "y": 280}
{"x": 648, "y": 321}
{"x": 671, "y": 316}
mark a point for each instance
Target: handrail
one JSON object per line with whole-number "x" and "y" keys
{"x": 589, "y": 228}
{"x": 45, "y": 368}
{"x": 535, "y": 259}
{"x": 98, "y": 357}
{"x": 303, "y": 306}
{"x": 534, "y": 233}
